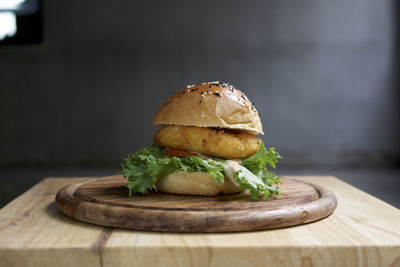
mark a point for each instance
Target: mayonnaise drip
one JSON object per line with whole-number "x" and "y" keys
{"x": 230, "y": 168}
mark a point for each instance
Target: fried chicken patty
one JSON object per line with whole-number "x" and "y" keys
{"x": 214, "y": 142}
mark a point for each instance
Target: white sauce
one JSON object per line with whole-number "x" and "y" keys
{"x": 230, "y": 168}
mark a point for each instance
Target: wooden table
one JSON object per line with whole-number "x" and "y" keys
{"x": 363, "y": 231}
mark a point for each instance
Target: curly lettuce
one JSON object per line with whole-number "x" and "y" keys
{"x": 144, "y": 167}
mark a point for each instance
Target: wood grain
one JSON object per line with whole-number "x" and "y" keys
{"x": 363, "y": 231}
{"x": 105, "y": 202}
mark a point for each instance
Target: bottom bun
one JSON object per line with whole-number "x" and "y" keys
{"x": 195, "y": 183}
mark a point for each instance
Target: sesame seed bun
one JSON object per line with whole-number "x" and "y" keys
{"x": 211, "y": 104}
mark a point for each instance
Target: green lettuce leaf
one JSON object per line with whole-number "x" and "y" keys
{"x": 261, "y": 158}
{"x": 257, "y": 184}
{"x": 256, "y": 164}
{"x": 144, "y": 167}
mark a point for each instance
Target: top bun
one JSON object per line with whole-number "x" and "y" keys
{"x": 211, "y": 104}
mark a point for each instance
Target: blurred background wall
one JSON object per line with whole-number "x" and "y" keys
{"x": 323, "y": 75}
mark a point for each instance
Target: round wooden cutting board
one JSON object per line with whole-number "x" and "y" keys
{"x": 105, "y": 201}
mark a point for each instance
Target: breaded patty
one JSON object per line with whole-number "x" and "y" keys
{"x": 210, "y": 141}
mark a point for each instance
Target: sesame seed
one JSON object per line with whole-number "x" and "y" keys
{"x": 217, "y": 94}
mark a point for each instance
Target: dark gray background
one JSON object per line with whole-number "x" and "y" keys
{"x": 323, "y": 74}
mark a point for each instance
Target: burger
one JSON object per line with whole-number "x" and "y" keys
{"x": 206, "y": 146}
